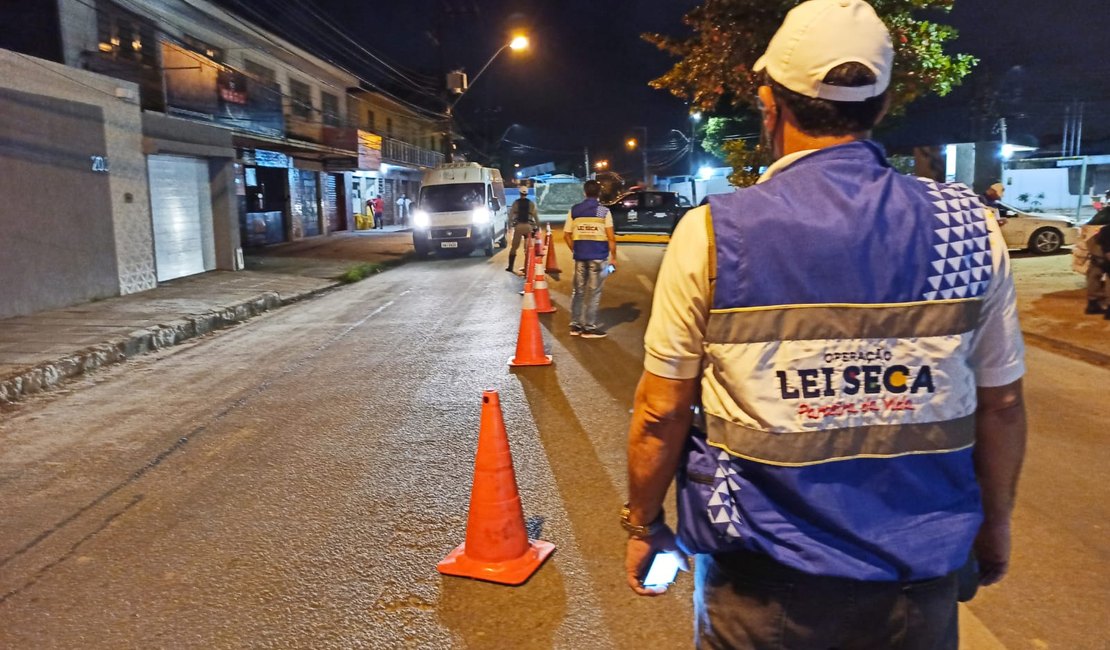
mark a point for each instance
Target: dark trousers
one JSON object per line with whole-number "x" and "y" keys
{"x": 747, "y": 601}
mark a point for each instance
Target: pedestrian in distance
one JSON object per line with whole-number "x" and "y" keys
{"x": 588, "y": 232}
{"x": 1098, "y": 268}
{"x": 525, "y": 222}
{"x": 833, "y": 377}
{"x": 992, "y": 198}
{"x": 1089, "y": 260}
{"x": 404, "y": 206}
{"x": 379, "y": 211}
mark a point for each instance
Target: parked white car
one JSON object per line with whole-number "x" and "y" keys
{"x": 1042, "y": 234}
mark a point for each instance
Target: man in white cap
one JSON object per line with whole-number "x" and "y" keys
{"x": 832, "y": 373}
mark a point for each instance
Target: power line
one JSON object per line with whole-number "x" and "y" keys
{"x": 266, "y": 38}
{"x": 427, "y": 84}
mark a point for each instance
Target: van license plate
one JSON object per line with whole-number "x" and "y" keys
{"x": 448, "y": 244}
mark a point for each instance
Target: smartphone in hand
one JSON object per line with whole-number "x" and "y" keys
{"x": 662, "y": 571}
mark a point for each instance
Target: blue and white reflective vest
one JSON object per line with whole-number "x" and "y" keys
{"x": 590, "y": 239}
{"x": 838, "y": 393}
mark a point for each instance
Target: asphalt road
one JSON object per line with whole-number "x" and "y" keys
{"x": 291, "y": 483}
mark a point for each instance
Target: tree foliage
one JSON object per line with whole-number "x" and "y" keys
{"x": 714, "y": 68}
{"x": 719, "y": 130}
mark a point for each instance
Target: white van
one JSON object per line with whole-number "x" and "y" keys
{"x": 461, "y": 207}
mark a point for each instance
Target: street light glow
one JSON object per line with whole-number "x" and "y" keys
{"x": 631, "y": 143}
{"x": 696, "y": 116}
{"x": 519, "y": 42}
{"x": 601, "y": 164}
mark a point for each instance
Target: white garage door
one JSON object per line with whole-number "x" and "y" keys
{"x": 181, "y": 206}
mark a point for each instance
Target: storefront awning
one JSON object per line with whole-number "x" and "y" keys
{"x": 332, "y": 158}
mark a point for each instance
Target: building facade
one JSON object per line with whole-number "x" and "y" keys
{"x": 216, "y": 135}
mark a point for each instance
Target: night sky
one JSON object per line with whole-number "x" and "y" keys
{"x": 584, "y": 81}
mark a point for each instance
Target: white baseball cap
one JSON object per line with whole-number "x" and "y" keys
{"x": 819, "y": 35}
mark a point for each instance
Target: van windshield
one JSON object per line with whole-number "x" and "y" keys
{"x": 457, "y": 197}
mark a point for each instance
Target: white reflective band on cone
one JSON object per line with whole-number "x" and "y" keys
{"x": 529, "y": 301}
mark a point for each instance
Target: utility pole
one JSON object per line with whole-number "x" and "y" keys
{"x": 1078, "y": 130}
{"x": 1065, "y": 143}
{"x": 643, "y": 157}
{"x": 1002, "y": 130}
{"x": 692, "y": 145}
{"x": 586, "y": 153}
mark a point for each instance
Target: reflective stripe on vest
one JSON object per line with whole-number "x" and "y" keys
{"x": 591, "y": 242}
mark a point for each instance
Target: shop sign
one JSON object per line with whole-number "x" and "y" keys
{"x": 369, "y": 151}
{"x": 200, "y": 88}
{"x": 264, "y": 158}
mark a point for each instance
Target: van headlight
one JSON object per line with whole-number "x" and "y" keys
{"x": 420, "y": 219}
{"x": 480, "y": 216}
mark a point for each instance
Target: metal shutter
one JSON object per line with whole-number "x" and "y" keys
{"x": 181, "y": 207}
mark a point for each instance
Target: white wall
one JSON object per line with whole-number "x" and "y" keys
{"x": 1052, "y": 182}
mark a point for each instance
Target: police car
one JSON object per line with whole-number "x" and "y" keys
{"x": 647, "y": 211}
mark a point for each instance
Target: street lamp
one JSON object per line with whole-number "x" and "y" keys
{"x": 517, "y": 43}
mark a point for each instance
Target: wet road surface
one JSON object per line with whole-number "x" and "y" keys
{"x": 291, "y": 483}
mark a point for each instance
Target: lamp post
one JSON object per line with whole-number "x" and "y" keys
{"x": 695, "y": 118}
{"x": 518, "y": 42}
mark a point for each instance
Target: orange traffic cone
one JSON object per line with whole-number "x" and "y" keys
{"x": 497, "y": 547}
{"x": 539, "y": 285}
{"x": 552, "y": 261}
{"x": 529, "y": 342}
{"x": 537, "y": 255}
{"x": 529, "y": 253}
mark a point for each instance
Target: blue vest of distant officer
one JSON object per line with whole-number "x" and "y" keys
{"x": 838, "y": 397}
{"x": 590, "y": 240}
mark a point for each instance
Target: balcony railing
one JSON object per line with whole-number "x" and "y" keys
{"x": 396, "y": 151}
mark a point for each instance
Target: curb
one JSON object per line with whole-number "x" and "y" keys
{"x": 49, "y": 374}
{"x": 1066, "y": 349}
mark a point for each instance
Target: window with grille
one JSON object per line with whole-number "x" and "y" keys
{"x": 300, "y": 95}
{"x": 260, "y": 72}
{"x": 200, "y": 47}
{"x": 329, "y": 107}
{"x": 124, "y": 35}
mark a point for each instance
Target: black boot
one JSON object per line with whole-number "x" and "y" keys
{"x": 512, "y": 261}
{"x": 1093, "y": 307}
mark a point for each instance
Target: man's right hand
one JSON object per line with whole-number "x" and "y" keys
{"x": 639, "y": 554}
{"x": 992, "y": 551}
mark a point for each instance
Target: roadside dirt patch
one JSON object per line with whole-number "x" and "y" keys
{"x": 1051, "y": 299}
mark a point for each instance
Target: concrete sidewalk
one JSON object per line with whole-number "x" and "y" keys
{"x": 42, "y": 350}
